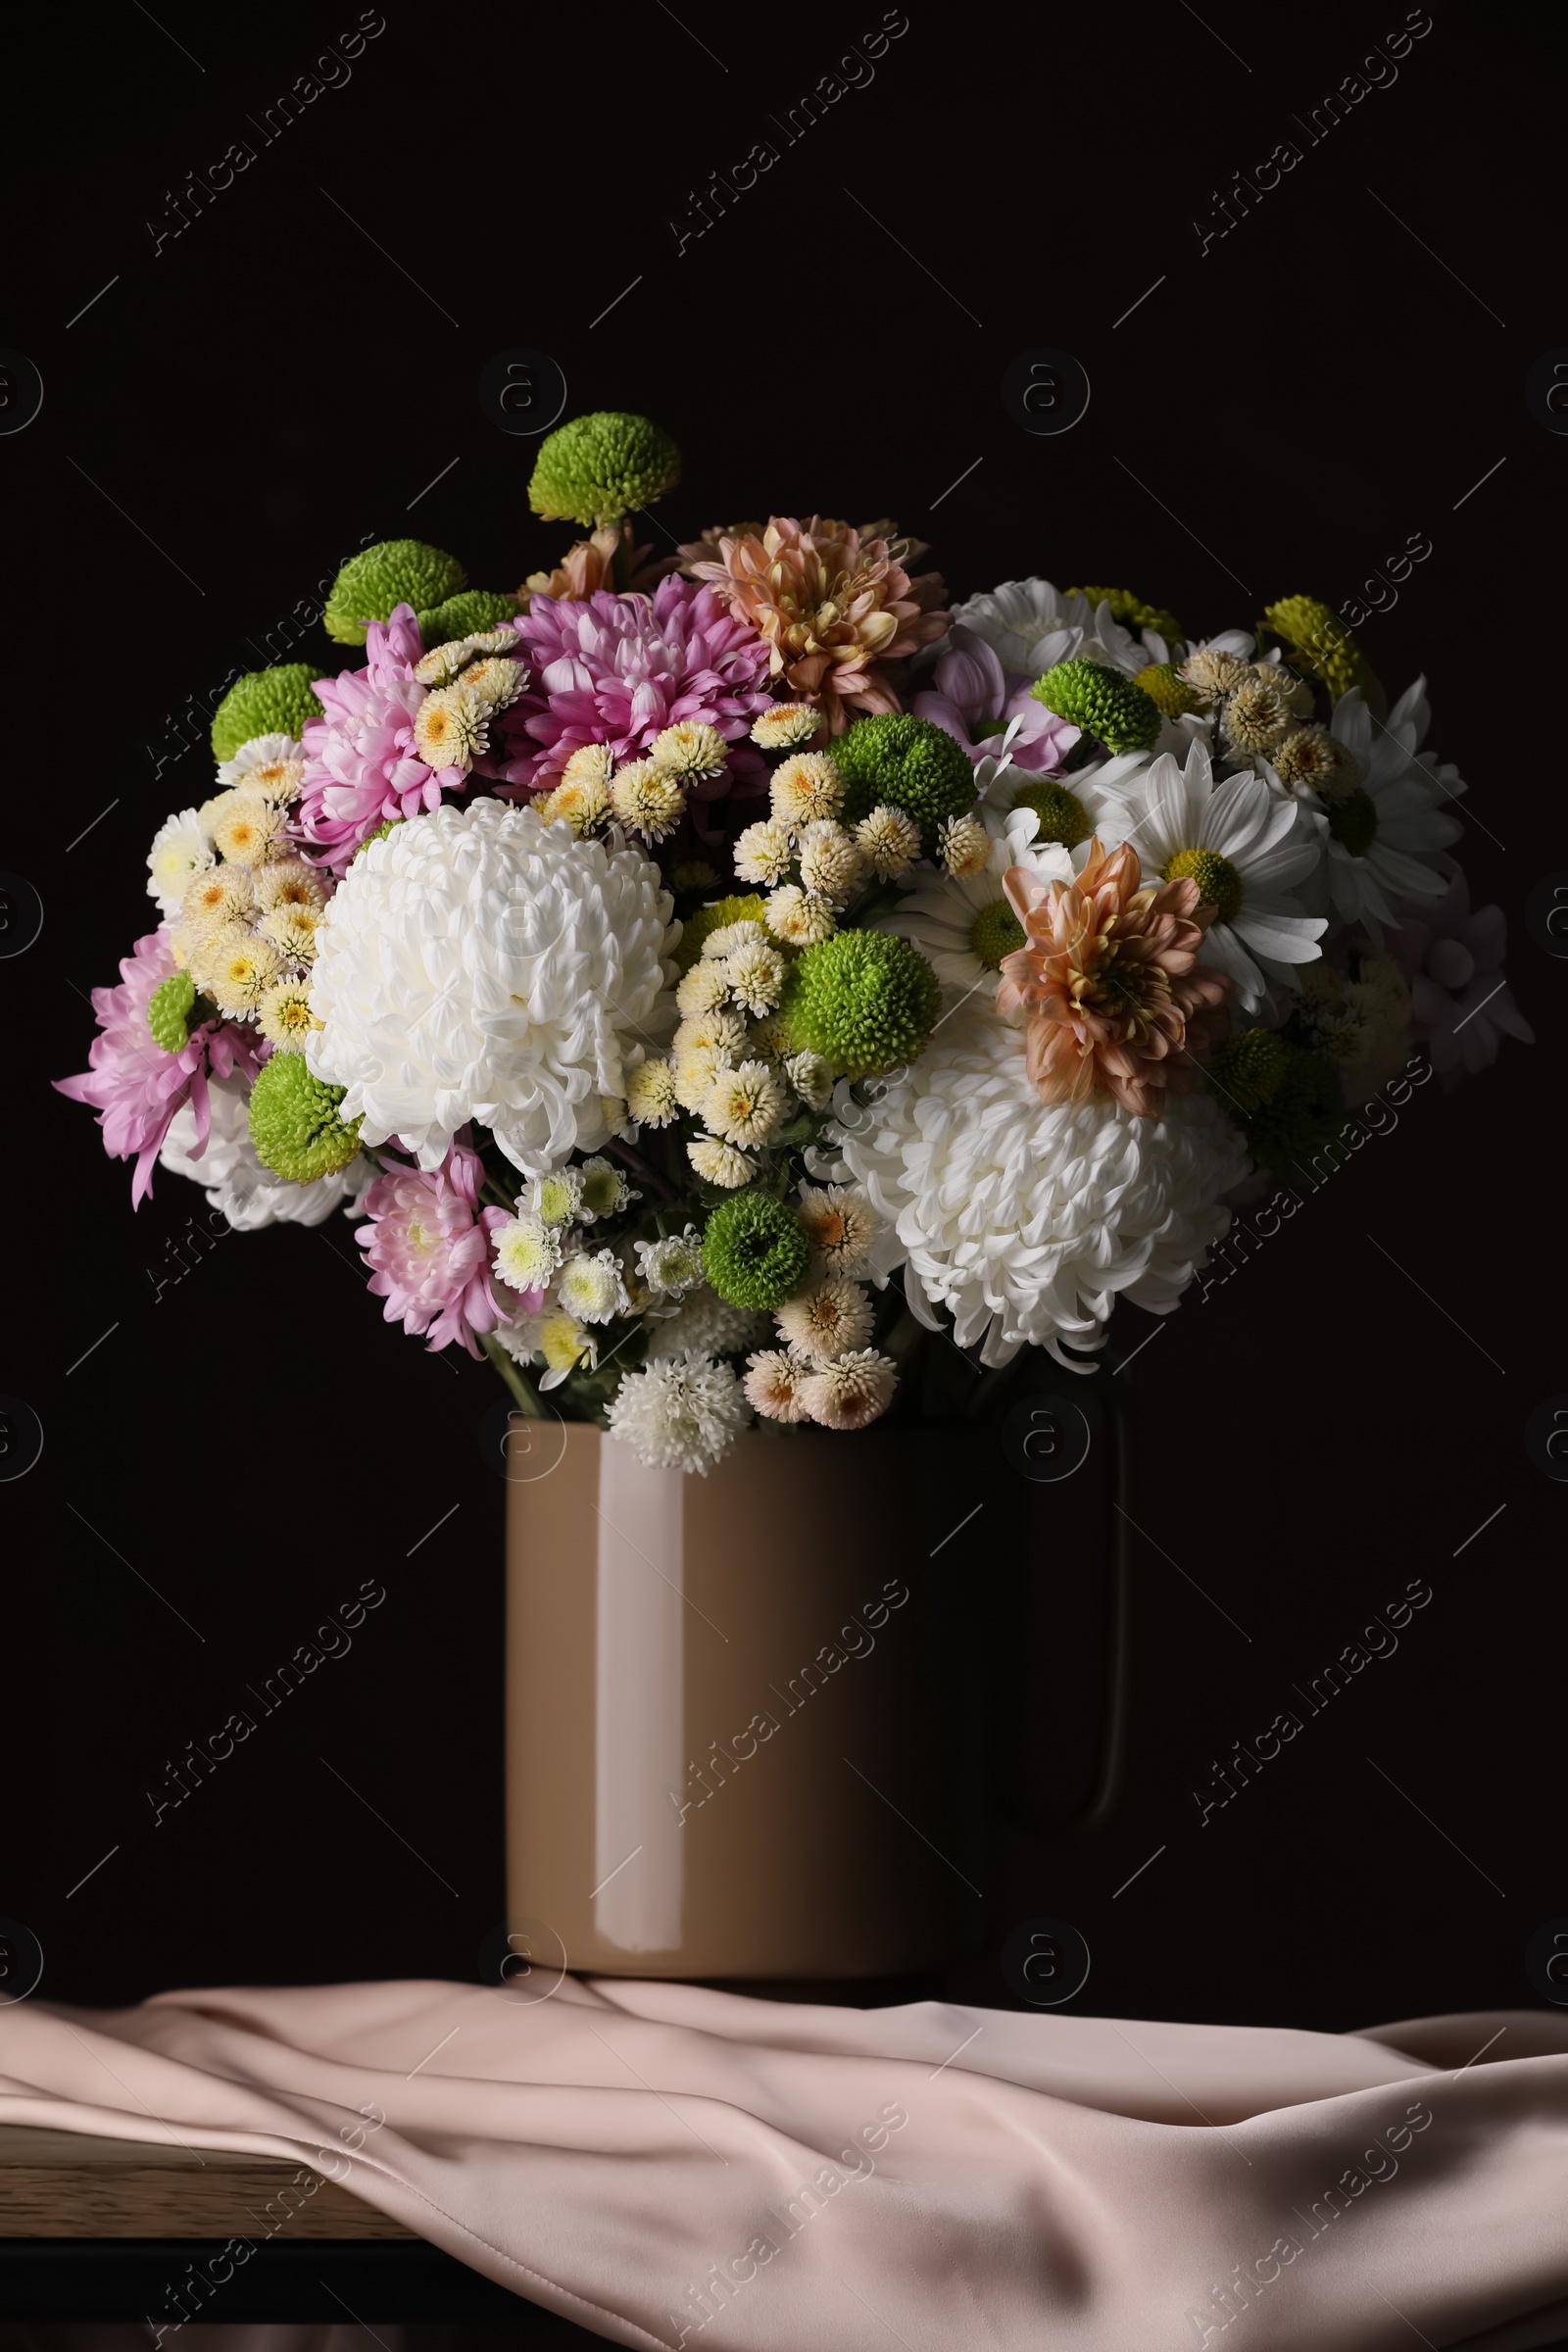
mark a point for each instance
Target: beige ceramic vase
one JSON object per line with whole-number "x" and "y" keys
{"x": 741, "y": 1728}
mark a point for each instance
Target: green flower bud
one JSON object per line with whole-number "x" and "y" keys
{"x": 756, "y": 1252}
{"x": 1063, "y": 818}
{"x": 1102, "y": 702}
{"x": 1321, "y": 644}
{"x": 599, "y": 467}
{"x": 467, "y": 616}
{"x": 1164, "y": 688}
{"x": 908, "y": 763}
{"x": 294, "y": 1122}
{"x": 168, "y": 1011}
{"x": 1245, "y": 1071}
{"x": 397, "y": 571}
{"x": 864, "y": 999}
{"x": 266, "y": 701}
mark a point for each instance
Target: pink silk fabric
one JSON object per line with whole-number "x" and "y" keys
{"x": 666, "y": 2164}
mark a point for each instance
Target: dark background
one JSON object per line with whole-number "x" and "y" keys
{"x": 246, "y": 404}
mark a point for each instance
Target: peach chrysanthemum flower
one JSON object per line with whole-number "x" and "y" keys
{"x": 774, "y": 1382}
{"x": 1109, "y": 981}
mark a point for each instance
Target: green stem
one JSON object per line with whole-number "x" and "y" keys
{"x": 516, "y": 1380}
{"x": 620, "y": 563}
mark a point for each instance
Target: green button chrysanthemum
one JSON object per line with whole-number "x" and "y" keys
{"x": 599, "y": 467}
{"x": 397, "y": 571}
{"x": 169, "y": 1011}
{"x": 755, "y": 1251}
{"x": 1131, "y": 610}
{"x": 1102, "y": 702}
{"x": 747, "y": 908}
{"x": 467, "y": 616}
{"x": 266, "y": 701}
{"x": 294, "y": 1122}
{"x": 1320, "y": 642}
{"x": 906, "y": 763}
{"x": 864, "y": 999}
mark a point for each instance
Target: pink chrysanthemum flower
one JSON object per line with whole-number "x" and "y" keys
{"x": 361, "y": 764}
{"x": 620, "y": 669}
{"x": 428, "y": 1245}
{"x": 134, "y": 1085}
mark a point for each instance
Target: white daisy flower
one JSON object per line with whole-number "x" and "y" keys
{"x": 962, "y": 923}
{"x": 1381, "y": 834}
{"x": 180, "y": 851}
{"x": 526, "y": 1252}
{"x": 554, "y": 1198}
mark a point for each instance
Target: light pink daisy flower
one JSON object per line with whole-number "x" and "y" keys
{"x": 427, "y": 1243}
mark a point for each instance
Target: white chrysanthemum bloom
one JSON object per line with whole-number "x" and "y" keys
{"x": 606, "y": 1191}
{"x": 278, "y": 782}
{"x": 526, "y": 1252}
{"x": 888, "y": 840}
{"x": 553, "y": 1198}
{"x": 962, "y": 924}
{"x": 827, "y": 1318}
{"x": 683, "y": 1414}
{"x": 181, "y": 850}
{"x": 722, "y": 1030}
{"x": 855, "y": 1388}
{"x": 1245, "y": 842}
{"x": 746, "y": 932}
{"x": 806, "y": 787}
{"x": 1029, "y": 625}
{"x": 651, "y": 1092}
{"x": 497, "y": 682}
{"x": 283, "y": 1014}
{"x": 964, "y": 847}
{"x": 775, "y": 1385}
{"x": 294, "y": 932}
{"x": 502, "y": 640}
{"x": 798, "y": 917}
{"x": 756, "y": 972}
{"x": 811, "y": 1078}
{"x": 690, "y": 748}
{"x": 721, "y": 1164}
{"x": 648, "y": 799}
{"x": 262, "y": 751}
{"x": 832, "y": 862}
{"x": 591, "y": 1287}
{"x": 702, "y": 987}
{"x": 707, "y": 1323}
{"x": 247, "y": 830}
{"x": 672, "y": 1264}
{"x": 785, "y": 724}
{"x": 1382, "y": 834}
{"x": 479, "y": 965}
{"x": 580, "y": 801}
{"x": 248, "y": 1195}
{"x": 765, "y": 852}
{"x": 841, "y": 1224}
{"x": 287, "y": 882}
{"x": 745, "y": 1104}
{"x": 215, "y": 900}
{"x": 451, "y": 728}
{"x": 236, "y": 968}
{"x": 695, "y": 1073}
{"x": 1026, "y": 1220}
{"x": 769, "y": 1038}
{"x": 441, "y": 664}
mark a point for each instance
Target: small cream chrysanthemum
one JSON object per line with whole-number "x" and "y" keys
{"x": 278, "y": 782}
{"x": 805, "y": 787}
{"x": 888, "y": 840}
{"x": 284, "y": 1016}
{"x": 215, "y": 899}
{"x": 826, "y": 1318}
{"x": 842, "y": 1225}
{"x": 811, "y": 1079}
{"x": 497, "y": 682}
{"x": 763, "y": 852}
{"x": 580, "y": 801}
{"x": 648, "y": 799}
{"x": 451, "y": 727}
{"x": 212, "y": 812}
{"x": 441, "y": 664}
{"x": 295, "y": 932}
{"x": 616, "y": 1117}
{"x": 590, "y": 764}
{"x": 963, "y": 845}
{"x": 492, "y": 640}
{"x": 260, "y": 751}
{"x": 1258, "y": 716}
{"x": 554, "y": 1198}
{"x": 674, "y": 1264}
{"x": 1211, "y": 671}
{"x": 651, "y": 1092}
{"x": 604, "y": 1190}
{"x": 695, "y": 1073}
{"x": 247, "y": 830}
{"x": 832, "y": 865}
{"x": 730, "y": 936}
{"x": 590, "y": 1287}
{"x": 690, "y": 748}
{"x": 237, "y": 968}
{"x": 287, "y": 882}
{"x": 785, "y": 724}
{"x": 526, "y": 1252}
{"x": 852, "y": 1390}
{"x": 704, "y": 988}
{"x": 775, "y": 1384}
{"x": 745, "y": 1106}
{"x": 756, "y": 975}
{"x": 721, "y": 1164}
{"x": 683, "y": 1413}
{"x": 800, "y": 919}
{"x": 721, "y": 1031}
{"x": 565, "y": 1345}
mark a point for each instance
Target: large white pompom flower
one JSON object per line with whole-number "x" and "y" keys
{"x": 1027, "y": 1220}
{"x": 483, "y": 964}
{"x": 249, "y": 1195}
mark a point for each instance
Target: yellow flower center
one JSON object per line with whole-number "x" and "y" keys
{"x": 1219, "y": 885}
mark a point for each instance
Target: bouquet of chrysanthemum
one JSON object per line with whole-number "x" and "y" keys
{"x": 704, "y": 980}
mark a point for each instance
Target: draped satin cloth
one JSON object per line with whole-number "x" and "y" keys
{"x": 666, "y": 2164}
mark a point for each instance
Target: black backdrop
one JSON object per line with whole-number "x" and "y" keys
{"x": 230, "y": 408}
